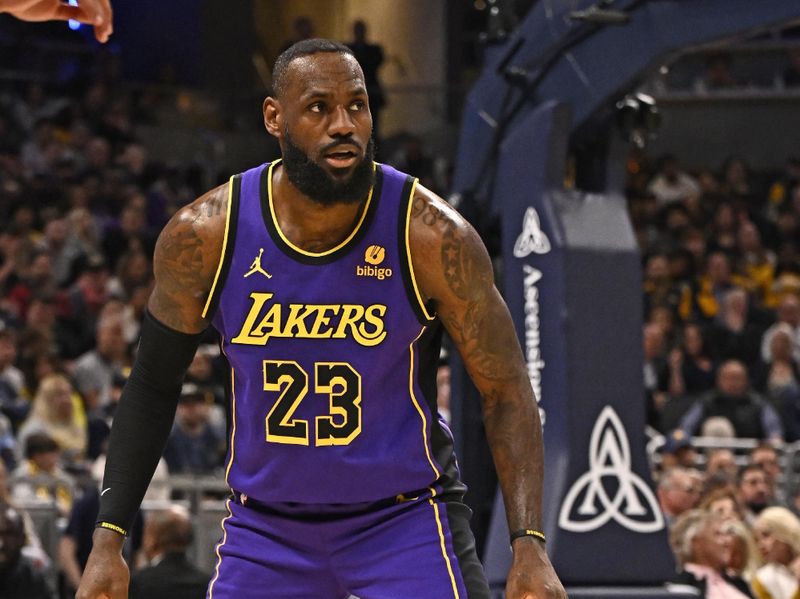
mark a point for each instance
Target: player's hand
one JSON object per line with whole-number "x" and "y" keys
{"x": 106, "y": 575}
{"x": 531, "y": 575}
{"x": 90, "y": 12}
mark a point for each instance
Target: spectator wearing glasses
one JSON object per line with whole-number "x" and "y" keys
{"x": 678, "y": 492}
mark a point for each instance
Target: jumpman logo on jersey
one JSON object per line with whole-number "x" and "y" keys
{"x": 256, "y": 266}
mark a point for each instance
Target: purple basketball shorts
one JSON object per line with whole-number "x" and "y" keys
{"x": 421, "y": 548}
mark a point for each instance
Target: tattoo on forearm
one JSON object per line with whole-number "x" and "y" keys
{"x": 479, "y": 323}
{"x": 517, "y": 456}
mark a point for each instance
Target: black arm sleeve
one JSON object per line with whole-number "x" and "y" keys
{"x": 143, "y": 420}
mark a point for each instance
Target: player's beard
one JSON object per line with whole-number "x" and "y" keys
{"x": 313, "y": 181}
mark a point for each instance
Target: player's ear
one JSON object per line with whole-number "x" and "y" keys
{"x": 273, "y": 117}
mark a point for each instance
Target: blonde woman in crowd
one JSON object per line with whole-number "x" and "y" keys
{"x": 778, "y": 536}
{"x": 703, "y": 550}
{"x": 58, "y": 412}
{"x": 744, "y": 560}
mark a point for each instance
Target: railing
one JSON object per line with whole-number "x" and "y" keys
{"x": 788, "y": 456}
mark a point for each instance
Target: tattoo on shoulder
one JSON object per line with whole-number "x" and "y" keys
{"x": 425, "y": 211}
{"x": 216, "y": 205}
{"x": 186, "y": 259}
{"x": 468, "y": 274}
{"x": 182, "y": 251}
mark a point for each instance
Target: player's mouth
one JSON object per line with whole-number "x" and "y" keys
{"x": 341, "y": 158}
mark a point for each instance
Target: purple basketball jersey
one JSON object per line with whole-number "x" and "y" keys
{"x": 333, "y": 356}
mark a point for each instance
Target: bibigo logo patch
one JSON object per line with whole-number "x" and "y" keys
{"x": 373, "y": 256}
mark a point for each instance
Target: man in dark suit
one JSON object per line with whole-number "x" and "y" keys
{"x": 167, "y": 535}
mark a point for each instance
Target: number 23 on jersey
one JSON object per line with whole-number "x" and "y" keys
{"x": 336, "y": 380}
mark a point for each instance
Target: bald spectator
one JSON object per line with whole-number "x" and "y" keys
{"x": 167, "y": 536}
{"x": 750, "y": 415}
{"x": 678, "y": 491}
{"x": 18, "y": 578}
{"x": 718, "y": 427}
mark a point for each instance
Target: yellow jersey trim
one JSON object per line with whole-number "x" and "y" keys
{"x": 417, "y": 406}
{"x": 444, "y": 547}
{"x": 408, "y": 252}
{"x": 224, "y": 249}
{"x": 285, "y": 239}
{"x": 219, "y": 546}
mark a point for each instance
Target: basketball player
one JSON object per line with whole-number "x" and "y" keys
{"x": 329, "y": 278}
{"x": 90, "y": 12}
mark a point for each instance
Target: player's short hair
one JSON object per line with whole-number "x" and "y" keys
{"x": 302, "y": 48}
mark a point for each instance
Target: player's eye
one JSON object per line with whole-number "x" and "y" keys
{"x": 357, "y": 105}
{"x": 317, "y": 107}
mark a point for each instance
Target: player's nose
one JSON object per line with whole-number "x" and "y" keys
{"x": 341, "y": 122}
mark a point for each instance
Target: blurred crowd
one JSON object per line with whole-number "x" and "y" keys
{"x": 82, "y": 202}
{"x": 721, "y": 293}
{"x": 81, "y": 205}
{"x": 721, "y": 296}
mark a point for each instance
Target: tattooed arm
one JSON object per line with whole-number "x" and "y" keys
{"x": 186, "y": 258}
{"x": 187, "y": 254}
{"x": 454, "y": 271}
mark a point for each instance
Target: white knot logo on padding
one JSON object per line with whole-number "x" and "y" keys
{"x": 589, "y": 504}
{"x": 532, "y": 239}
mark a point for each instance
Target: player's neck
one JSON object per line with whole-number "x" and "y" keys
{"x": 308, "y": 224}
